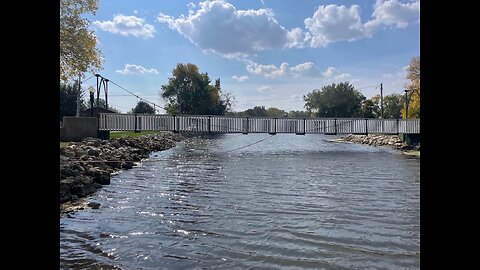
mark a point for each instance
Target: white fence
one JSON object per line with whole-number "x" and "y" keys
{"x": 225, "y": 124}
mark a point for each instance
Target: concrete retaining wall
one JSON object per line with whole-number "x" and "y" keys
{"x": 76, "y": 128}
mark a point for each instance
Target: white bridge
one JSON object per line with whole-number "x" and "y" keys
{"x": 232, "y": 124}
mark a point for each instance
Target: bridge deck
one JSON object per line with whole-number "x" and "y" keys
{"x": 226, "y": 124}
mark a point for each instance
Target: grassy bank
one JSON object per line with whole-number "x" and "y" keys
{"x": 64, "y": 144}
{"x": 118, "y": 134}
{"x": 414, "y": 153}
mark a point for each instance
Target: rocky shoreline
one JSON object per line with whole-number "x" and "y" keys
{"x": 381, "y": 140}
{"x": 87, "y": 165}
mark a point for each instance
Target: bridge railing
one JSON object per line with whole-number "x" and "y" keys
{"x": 409, "y": 126}
{"x": 116, "y": 121}
{"x": 227, "y": 124}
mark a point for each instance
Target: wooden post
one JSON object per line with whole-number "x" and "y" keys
{"x": 366, "y": 126}
{"x": 208, "y": 123}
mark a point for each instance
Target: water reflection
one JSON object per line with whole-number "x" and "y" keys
{"x": 290, "y": 201}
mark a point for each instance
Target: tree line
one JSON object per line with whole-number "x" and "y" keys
{"x": 188, "y": 91}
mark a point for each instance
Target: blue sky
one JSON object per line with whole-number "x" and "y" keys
{"x": 266, "y": 52}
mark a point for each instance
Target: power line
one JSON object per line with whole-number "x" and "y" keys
{"x": 127, "y": 95}
{"x": 368, "y": 87}
{"x": 88, "y": 79}
{"x": 137, "y": 96}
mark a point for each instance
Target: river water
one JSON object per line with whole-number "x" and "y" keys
{"x": 288, "y": 202}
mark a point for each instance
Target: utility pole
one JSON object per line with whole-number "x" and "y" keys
{"x": 381, "y": 99}
{"x": 98, "y": 90}
{"x": 105, "y": 89}
{"x": 77, "y": 113}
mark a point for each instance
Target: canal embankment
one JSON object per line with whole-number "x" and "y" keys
{"x": 393, "y": 141}
{"x": 88, "y": 165}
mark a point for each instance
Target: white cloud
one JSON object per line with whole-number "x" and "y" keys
{"x": 219, "y": 27}
{"x": 398, "y": 77}
{"x": 306, "y": 69}
{"x": 264, "y": 88}
{"x": 191, "y": 6}
{"x": 342, "y": 76}
{"x": 126, "y": 26}
{"x": 333, "y": 74}
{"x": 332, "y": 23}
{"x": 302, "y": 67}
{"x": 240, "y": 78}
{"x": 394, "y": 13}
{"x": 329, "y": 72}
{"x": 297, "y": 38}
{"x": 136, "y": 69}
{"x": 269, "y": 71}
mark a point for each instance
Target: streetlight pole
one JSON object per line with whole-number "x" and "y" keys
{"x": 98, "y": 89}
{"x": 406, "y": 103}
{"x": 381, "y": 99}
{"x": 92, "y": 100}
{"x": 105, "y": 89}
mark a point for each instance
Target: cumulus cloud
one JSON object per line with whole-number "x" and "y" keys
{"x": 306, "y": 69}
{"x": 131, "y": 69}
{"x": 240, "y": 78}
{"x": 219, "y": 27}
{"x": 126, "y": 26}
{"x": 332, "y": 23}
{"x": 395, "y": 13}
{"x": 269, "y": 71}
{"x": 329, "y": 72}
{"x": 333, "y": 74}
{"x": 297, "y": 38}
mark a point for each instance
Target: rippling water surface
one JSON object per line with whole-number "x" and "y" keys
{"x": 289, "y": 202}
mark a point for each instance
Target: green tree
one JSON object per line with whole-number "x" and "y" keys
{"x": 274, "y": 112}
{"x": 68, "y": 100}
{"x": 393, "y": 105}
{"x": 189, "y": 92}
{"x": 298, "y": 114}
{"x": 257, "y": 111}
{"x": 335, "y": 100}
{"x": 369, "y": 109}
{"x": 78, "y": 51}
{"x": 413, "y": 74}
{"x": 143, "y": 107}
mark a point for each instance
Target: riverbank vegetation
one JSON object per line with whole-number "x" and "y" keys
{"x": 78, "y": 44}
{"x": 120, "y": 134}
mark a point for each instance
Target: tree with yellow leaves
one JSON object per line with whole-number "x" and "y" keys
{"x": 413, "y": 88}
{"x": 78, "y": 52}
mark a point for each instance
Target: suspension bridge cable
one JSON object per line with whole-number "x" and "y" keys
{"x": 245, "y": 146}
{"x": 137, "y": 96}
{"x": 87, "y": 79}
